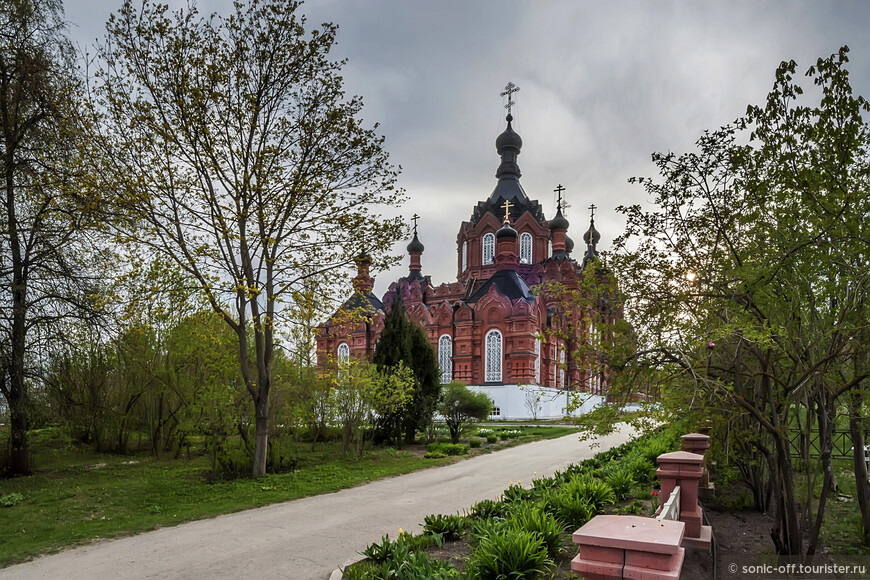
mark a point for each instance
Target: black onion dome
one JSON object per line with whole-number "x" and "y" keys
{"x": 569, "y": 244}
{"x": 559, "y": 222}
{"x": 591, "y": 237}
{"x": 506, "y": 231}
{"x": 509, "y": 138}
{"x": 415, "y": 247}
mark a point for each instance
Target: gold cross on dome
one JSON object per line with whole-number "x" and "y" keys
{"x": 507, "y": 208}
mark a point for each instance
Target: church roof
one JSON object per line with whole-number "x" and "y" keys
{"x": 367, "y": 302}
{"x": 508, "y": 283}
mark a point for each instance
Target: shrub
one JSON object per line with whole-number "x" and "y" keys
{"x": 541, "y": 524}
{"x": 515, "y": 554}
{"x": 434, "y": 455}
{"x": 475, "y": 443}
{"x": 594, "y": 492}
{"x": 447, "y": 448}
{"x": 635, "y": 508}
{"x": 491, "y": 438}
{"x": 448, "y": 527}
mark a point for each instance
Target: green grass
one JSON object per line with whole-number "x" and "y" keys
{"x": 76, "y": 495}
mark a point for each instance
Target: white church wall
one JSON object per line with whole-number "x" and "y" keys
{"x": 515, "y": 402}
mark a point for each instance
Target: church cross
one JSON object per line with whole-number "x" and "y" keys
{"x": 510, "y": 89}
{"x": 415, "y": 217}
{"x": 559, "y": 189}
{"x": 592, "y": 207}
{"x": 507, "y": 207}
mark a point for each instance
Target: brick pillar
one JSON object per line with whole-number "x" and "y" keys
{"x": 699, "y": 444}
{"x": 685, "y": 469}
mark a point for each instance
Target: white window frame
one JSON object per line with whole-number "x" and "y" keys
{"x": 445, "y": 358}
{"x": 488, "y": 249}
{"x": 464, "y": 255}
{"x": 562, "y": 367}
{"x": 537, "y": 360}
{"x": 525, "y": 248}
{"x": 342, "y": 353}
{"x": 493, "y": 357}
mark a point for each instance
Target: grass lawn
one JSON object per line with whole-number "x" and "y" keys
{"x": 76, "y": 495}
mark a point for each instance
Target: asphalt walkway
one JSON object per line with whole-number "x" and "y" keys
{"x": 307, "y": 539}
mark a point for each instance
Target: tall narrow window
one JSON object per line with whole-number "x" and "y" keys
{"x": 343, "y": 353}
{"x": 464, "y": 256}
{"x": 526, "y": 248}
{"x": 550, "y": 249}
{"x": 488, "y": 248}
{"x": 537, "y": 361}
{"x": 555, "y": 366}
{"x": 492, "y": 366}
{"x": 445, "y": 358}
{"x": 562, "y": 368}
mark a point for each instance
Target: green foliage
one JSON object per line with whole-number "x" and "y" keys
{"x": 459, "y": 406}
{"x": 11, "y": 499}
{"x": 450, "y": 527}
{"x": 635, "y": 508}
{"x": 540, "y": 523}
{"x": 387, "y": 550}
{"x": 487, "y": 508}
{"x": 515, "y": 492}
{"x": 448, "y": 448}
{"x": 569, "y": 508}
{"x": 509, "y": 553}
{"x": 621, "y": 480}
{"x": 475, "y": 443}
{"x": 434, "y": 455}
{"x": 403, "y": 341}
{"x": 492, "y": 438}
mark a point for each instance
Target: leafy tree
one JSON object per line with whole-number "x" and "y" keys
{"x": 230, "y": 148}
{"x": 43, "y": 270}
{"x": 747, "y": 284}
{"x": 460, "y": 406}
{"x": 403, "y": 341}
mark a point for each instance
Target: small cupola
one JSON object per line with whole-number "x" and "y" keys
{"x": 415, "y": 250}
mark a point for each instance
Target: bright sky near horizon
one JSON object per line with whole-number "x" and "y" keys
{"x": 603, "y": 85}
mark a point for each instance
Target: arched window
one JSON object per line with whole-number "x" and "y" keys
{"x": 550, "y": 249}
{"x": 445, "y": 358}
{"x": 343, "y": 353}
{"x": 464, "y": 256}
{"x": 526, "y": 248}
{"x": 492, "y": 366}
{"x": 537, "y": 361}
{"x": 488, "y": 248}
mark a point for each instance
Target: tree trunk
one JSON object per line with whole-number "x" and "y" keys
{"x": 261, "y": 443}
{"x": 856, "y": 428}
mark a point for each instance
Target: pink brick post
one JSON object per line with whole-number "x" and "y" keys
{"x": 700, "y": 444}
{"x": 685, "y": 469}
{"x": 629, "y": 547}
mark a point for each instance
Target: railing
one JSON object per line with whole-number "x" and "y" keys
{"x": 841, "y": 444}
{"x": 671, "y": 509}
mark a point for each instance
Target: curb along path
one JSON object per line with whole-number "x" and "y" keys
{"x": 306, "y": 539}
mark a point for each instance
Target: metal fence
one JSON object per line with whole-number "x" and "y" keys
{"x": 841, "y": 449}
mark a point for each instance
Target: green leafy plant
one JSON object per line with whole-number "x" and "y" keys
{"x": 540, "y": 523}
{"x": 621, "y": 481}
{"x": 11, "y": 499}
{"x": 492, "y": 438}
{"x": 434, "y": 455}
{"x": 450, "y": 527}
{"x": 509, "y": 553}
{"x": 570, "y": 508}
{"x": 387, "y": 550}
{"x": 447, "y": 448}
{"x": 475, "y": 443}
{"x": 634, "y": 508}
{"x": 486, "y": 508}
{"x": 515, "y": 492}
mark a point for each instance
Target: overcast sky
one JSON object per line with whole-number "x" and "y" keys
{"x": 603, "y": 85}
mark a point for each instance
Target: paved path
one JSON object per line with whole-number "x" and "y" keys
{"x": 306, "y": 539}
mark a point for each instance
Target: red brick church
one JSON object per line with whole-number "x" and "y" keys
{"x": 490, "y": 328}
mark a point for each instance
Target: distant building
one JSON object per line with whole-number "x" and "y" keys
{"x": 490, "y": 328}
